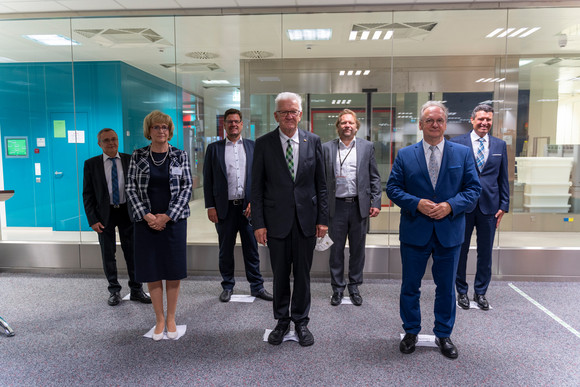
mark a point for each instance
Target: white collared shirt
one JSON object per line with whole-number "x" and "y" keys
{"x": 438, "y": 155}
{"x": 120, "y": 177}
{"x": 345, "y": 170}
{"x": 235, "y": 160}
{"x": 475, "y": 145}
{"x": 295, "y": 139}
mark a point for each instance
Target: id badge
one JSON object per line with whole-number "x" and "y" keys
{"x": 176, "y": 171}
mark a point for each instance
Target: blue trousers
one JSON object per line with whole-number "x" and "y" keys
{"x": 414, "y": 260}
{"x": 485, "y": 230}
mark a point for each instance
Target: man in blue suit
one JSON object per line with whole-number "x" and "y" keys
{"x": 490, "y": 155}
{"x": 227, "y": 185}
{"x": 434, "y": 182}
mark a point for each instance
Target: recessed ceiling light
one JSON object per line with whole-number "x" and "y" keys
{"x": 310, "y": 34}
{"x": 341, "y": 72}
{"x": 504, "y": 34}
{"x": 216, "y": 82}
{"x": 524, "y": 62}
{"x": 352, "y": 35}
{"x": 358, "y": 72}
{"x": 528, "y": 33}
{"x": 494, "y": 32}
{"x": 52, "y": 40}
{"x": 516, "y": 33}
{"x": 364, "y": 35}
{"x": 388, "y": 35}
{"x": 350, "y": 72}
{"x": 377, "y": 35}
{"x": 367, "y": 72}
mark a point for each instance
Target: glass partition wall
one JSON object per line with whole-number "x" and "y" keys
{"x": 111, "y": 72}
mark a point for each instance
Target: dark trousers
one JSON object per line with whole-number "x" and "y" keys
{"x": 227, "y": 230}
{"x": 485, "y": 230}
{"x": 118, "y": 217}
{"x": 414, "y": 259}
{"x": 292, "y": 255}
{"x": 347, "y": 222}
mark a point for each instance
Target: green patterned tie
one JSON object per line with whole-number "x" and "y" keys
{"x": 290, "y": 158}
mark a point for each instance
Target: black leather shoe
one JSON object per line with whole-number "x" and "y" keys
{"x": 305, "y": 338}
{"x": 463, "y": 301}
{"x": 226, "y": 295}
{"x": 481, "y": 301}
{"x": 141, "y": 296}
{"x": 277, "y": 335}
{"x": 114, "y": 299}
{"x": 263, "y": 294}
{"x": 407, "y": 345}
{"x": 336, "y": 298}
{"x": 448, "y": 349}
{"x": 356, "y": 299}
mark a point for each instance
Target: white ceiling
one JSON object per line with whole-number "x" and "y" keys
{"x": 459, "y": 33}
{"x": 36, "y": 6}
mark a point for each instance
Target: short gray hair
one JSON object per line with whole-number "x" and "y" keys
{"x": 438, "y": 104}
{"x": 482, "y": 108}
{"x": 288, "y": 96}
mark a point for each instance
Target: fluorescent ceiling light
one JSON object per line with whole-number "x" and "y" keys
{"x": 4, "y": 59}
{"x": 518, "y": 32}
{"x": 480, "y": 80}
{"x": 52, "y": 40}
{"x": 365, "y": 35}
{"x": 494, "y": 32}
{"x": 528, "y": 33}
{"x": 341, "y": 72}
{"x": 187, "y": 111}
{"x": 352, "y": 35}
{"x": 504, "y": 34}
{"x": 349, "y": 72}
{"x": 377, "y": 35}
{"x": 388, "y": 35}
{"x": 216, "y": 82}
{"x": 358, "y": 72}
{"x": 310, "y": 34}
{"x": 524, "y": 62}
{"x": 367, "y": 72}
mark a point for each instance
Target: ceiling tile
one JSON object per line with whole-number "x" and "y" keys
{"x": 91, "y": 5}
{"x": 35, "y": 6}
{"x": 149, "y": 4}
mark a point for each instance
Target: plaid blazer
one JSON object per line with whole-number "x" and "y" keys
{"x": 180, "y": 184}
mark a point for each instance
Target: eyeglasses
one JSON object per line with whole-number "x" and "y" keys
{"x": 286, "y": 113}
{"x": 235, "y": 122}
{"x": 431, "y": 121}
{"x": 160, "y": 127}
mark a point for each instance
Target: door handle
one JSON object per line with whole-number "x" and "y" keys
{"x": 58, "y": 174}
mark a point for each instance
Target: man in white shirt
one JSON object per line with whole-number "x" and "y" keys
{"x": 227, "y": 186}
{"x": 354, "y": 192}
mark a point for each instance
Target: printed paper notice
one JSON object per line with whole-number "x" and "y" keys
{"x": 59, "y": 128}
{"x": 76, "y": 136}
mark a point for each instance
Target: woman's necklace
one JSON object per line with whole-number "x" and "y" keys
{"x": 160, "y": 162}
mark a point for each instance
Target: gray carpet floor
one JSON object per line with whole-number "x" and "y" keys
{"x": 67, "y": 335}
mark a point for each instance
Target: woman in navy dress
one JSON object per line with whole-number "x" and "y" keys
{"x": 159, "y": 188}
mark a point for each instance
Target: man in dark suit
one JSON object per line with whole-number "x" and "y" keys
{"x": 227, "y": 184}
{"x": 354, "y": 192}
{"x": 106, "y": 208}
{"x": 490, "y": 155}
{"x": 289, "y": 210}
{"x": 433, "y": 182}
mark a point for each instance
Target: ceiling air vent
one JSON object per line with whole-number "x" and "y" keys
{"x": 193, "y": 67}
{"x": 202, "y": 55}
{"x": 256, "y": 54}
{"x": 407, "y": 30}
{"x": 125, "y": 37}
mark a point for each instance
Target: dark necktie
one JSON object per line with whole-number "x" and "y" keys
{"x": 433, "y": 166}
{"x": 115, "y": 181}
{"x": 290, "y": 158}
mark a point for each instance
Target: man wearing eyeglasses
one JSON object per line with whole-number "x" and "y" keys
{"x": 490, "y": 155}
{"x": 433, "y": 182}
{"x": 354, "y": 195}
{"x": 227, "y": 184}
{"x": 106, "y": 208}
{"x": 289, "y": 210}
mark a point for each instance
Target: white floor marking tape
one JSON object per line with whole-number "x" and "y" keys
{"x": 543, "y": 309}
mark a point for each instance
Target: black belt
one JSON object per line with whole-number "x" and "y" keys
{"x": 118, "y": 205}
{"x": 237, "y": 202}
{"x": 349, "y": 200}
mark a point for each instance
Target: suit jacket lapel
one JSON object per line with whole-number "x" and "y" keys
{"x": 420, "y": 155}
{"x": 221, "y": 153}
{"x": 447, "y": 155}
{"x": 302, "y": 151}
